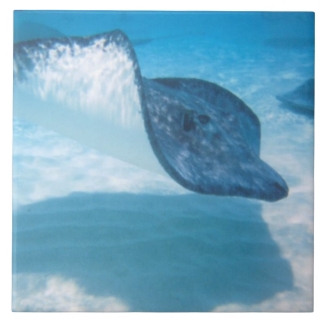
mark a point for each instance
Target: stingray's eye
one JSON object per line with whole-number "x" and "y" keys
{"x": 204, "y": 119}
{"x": 188, "y": 121}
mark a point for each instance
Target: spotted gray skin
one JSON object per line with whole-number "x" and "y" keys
{"x": 207, "y": 139}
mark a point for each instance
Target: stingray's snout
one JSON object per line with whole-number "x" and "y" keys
{"x": 281, "y": 190}
{"x": 277, "y": 189}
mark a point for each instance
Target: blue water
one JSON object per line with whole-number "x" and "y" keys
{"x": 93, "y": 233}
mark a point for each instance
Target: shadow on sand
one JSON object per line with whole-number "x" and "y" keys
{"x": 156, "y": 253}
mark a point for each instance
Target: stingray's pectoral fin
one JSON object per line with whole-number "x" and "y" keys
{"x": 208, "y": 140}
{"x": 300, "y": 100}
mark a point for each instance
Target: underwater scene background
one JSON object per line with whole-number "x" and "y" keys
{"x": 93, "y": 233}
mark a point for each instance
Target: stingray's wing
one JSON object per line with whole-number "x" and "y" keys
{"x": 208, "y": 140}
{"x": 88, "y": 89}
{"x": 301, "y": 99}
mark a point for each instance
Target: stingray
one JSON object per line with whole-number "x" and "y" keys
{"x": 301, "y": 99}
{"x": 204, "y": 137}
